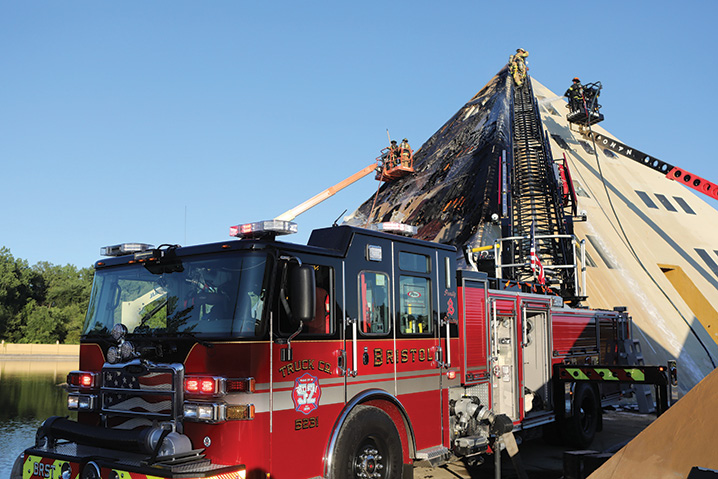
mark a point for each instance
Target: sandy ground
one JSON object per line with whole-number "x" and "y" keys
{"x": 542, "y": 460}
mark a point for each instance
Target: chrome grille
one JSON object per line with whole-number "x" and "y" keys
{"x": 138, "y": 390}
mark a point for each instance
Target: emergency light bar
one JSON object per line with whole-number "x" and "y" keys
{"x": 125, "y": 249}
{"x": 263, "y": 228}
{"x": 395, "y": 228}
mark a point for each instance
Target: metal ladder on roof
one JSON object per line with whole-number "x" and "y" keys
{"x": 536, "y": 194}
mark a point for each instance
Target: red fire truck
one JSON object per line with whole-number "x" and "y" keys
{"x": 355, "y": 355}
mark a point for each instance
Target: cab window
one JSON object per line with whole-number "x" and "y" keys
{"x": 322, "y": 323}
{"x": 417, "y": 263}
{"x": 373, "y": 303}
{"x": 414, "y": 305}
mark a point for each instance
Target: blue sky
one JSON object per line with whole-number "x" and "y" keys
{"x": 169, "y": 121}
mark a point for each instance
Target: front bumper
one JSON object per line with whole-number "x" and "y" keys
{"x": 75, "y": 461}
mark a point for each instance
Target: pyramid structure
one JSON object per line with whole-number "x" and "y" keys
{"x": 651, "y": 244}
{"x": 454, "y": 190}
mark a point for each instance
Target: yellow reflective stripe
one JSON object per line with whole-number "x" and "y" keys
{"x": 28, "y": 468}
{"x": 58, "y": 468}
{"x": 607, "y": 374}
{"x": 576, "y": 373}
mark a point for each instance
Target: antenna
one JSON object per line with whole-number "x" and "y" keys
{"x": 335, "y": 221}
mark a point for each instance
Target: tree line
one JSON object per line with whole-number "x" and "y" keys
{"x": 43, "y": 303}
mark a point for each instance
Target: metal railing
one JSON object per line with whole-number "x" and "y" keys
{"x": 580, "y": 288}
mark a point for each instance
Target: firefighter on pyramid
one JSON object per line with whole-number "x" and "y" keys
{"x": 517, "y": 66}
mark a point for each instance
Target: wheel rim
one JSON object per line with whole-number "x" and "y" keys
{"x": 369, "y": 462}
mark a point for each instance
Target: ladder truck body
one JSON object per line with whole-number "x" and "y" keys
{"x": 356, "y": 355}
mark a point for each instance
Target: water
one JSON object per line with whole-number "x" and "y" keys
{"x": 30, "y": 392}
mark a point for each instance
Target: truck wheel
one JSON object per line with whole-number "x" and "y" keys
{"x": 580, "y": 429}
{"x": 368, "y": 446}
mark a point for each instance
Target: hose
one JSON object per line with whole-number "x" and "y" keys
{"x": 57, "y": 427}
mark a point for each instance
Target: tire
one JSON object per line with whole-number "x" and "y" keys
{"x": 580, "y": 429}
{"x": 368, "y": 446}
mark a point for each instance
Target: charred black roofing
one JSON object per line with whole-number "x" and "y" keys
{"x": 455, "y": 188}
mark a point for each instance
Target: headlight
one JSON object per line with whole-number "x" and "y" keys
{"x": 81, "y": 402}
{"x": 113, "y": 355}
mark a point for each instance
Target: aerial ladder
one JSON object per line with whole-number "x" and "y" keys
{"x": 588, "y": 113}
{"x": 672, "y": 172}
{"x": 538, "y": 213}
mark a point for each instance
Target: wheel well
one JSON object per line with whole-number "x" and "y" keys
{"x": 387, "y": 403}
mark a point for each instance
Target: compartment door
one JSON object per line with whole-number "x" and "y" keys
{"x": 504, "y": 358}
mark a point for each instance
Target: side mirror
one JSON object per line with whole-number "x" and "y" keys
{"x": 303, "y": 293}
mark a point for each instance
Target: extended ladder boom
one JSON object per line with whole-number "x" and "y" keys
{"x": 537, "y": 199}
{"x": 316, "y": 199}
{"x": 671, "y": 172}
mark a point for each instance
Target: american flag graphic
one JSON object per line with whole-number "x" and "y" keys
{"x": 534, "y": 260}
{"x": 148, "y": 393}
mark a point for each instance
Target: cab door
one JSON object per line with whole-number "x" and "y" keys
{"x": 420, "y": 354}
{"x": 369, "y": 332}
{"x": 307, "y": 387}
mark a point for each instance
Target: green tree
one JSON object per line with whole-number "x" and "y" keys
{"x": 16, "y": 289}
{"x": 43, "y": 303}
{"x": 40, "y": 325}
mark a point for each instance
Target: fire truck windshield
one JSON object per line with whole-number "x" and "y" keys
{"x": 208, "y": 296}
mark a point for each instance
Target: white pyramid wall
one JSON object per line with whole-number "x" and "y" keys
{"x": 662, "y": 318}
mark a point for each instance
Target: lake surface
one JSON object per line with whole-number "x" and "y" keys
{"x": 30, "y": 392}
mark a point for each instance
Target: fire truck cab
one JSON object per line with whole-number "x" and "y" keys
{"x": 355, "y": 355}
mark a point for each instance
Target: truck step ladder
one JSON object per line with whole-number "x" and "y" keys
{"x": 644, "y": 393}
{"x": 436, "y": 455}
